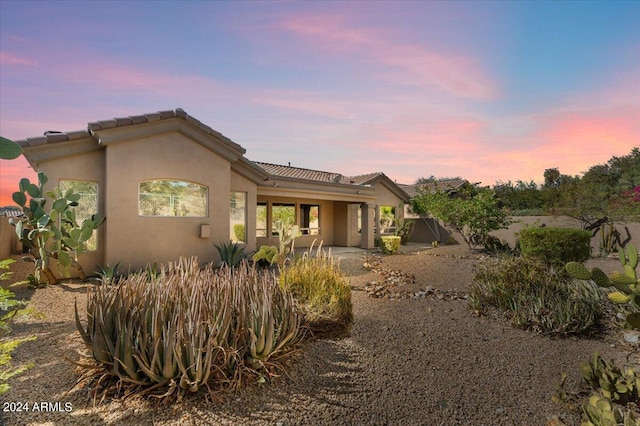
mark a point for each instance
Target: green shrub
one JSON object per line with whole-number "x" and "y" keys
{"x": 239, "y": 232}
{"x": 389, "y": 244}
{"x": 322, "y": 291}
{"x": 535, "y": 296}
{"x": 556, "y": 246}
{"x": 188, "y": 326}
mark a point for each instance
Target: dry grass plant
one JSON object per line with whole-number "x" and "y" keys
{"x": 321, "y": 289}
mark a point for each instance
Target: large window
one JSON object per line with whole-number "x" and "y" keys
{"x": 309, "y": 219}
{"x": 261, "y": 220}
{"x": 238, "y": 217}
{"x": 165, "y": 197}
{"x": 281, "y": 212}
{"x": 387, "y": 219}
{"x": 87, "y": 205}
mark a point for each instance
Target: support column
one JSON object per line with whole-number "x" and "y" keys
{"x": 368, "y": 222}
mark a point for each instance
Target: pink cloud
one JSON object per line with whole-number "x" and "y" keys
{"x": 406, "y": 63}
{"x": 8, "y": 59}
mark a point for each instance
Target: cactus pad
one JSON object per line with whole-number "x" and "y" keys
{"x": 618, "y": 297}
{"x": 600, "y": 278}
{"x": 632, "y": 255}
{"x": 577, "y": 270}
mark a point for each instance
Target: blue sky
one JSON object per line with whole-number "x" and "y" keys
{"x": 483, "y": 90}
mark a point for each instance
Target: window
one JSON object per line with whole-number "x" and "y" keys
{"x": 285, "y": 213}
{"x": 171, "y": 198}
{"x": 387, "y": 219}
{"x": 238, "y": 217}
{"x": 310, "y": 219}
{"x": 261, "y": 220}
{"x": 87, "y": 205}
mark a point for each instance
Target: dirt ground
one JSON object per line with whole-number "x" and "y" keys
{"x": 418, "y": 358}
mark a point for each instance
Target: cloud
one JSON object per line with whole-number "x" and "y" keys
{"x": 11, "y": 59}
{"x": 404, "y": 63}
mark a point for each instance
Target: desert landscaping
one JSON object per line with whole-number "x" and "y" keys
{"x": 416, "y": 355}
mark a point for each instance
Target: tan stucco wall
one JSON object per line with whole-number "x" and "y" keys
{"x": 9, "y": 243}
{"x": 142, "y": 240}
{"x": 242, "y": 184}
{"x": 345, "y": 216}
{"x": 83, "y": 167}
{"x": 326, "y": 222}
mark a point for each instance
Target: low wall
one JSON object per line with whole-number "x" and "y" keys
{"x": 9, "y": 243}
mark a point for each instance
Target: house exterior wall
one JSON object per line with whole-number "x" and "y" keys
{"x": 140, "y": 240}
{"x": 345, "y": 217}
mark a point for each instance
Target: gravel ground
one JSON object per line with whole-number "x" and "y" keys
{"x": 407, "y": 361}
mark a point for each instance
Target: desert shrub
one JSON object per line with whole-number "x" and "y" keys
{"x": 322, "y": 291}
{"x": 389, "y": 244}
{"x": 188, "y": 326}
{"x": 535, "y": 296}
{"x": 556, "y": 246}
{"x": 110, "y": 273}
{"x": 239, "y": 232}
{"x": 231, "y": 254}
{"x": 496, "y": 247}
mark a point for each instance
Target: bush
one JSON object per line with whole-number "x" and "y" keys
{"x": 188, "y": 327}
{"x": 323, "y": 292}
{"x": 389, "y": 244}
{"x": 535, "y": 296}
{"x": 556, "y": 246}
{"x": 239, "y": 232}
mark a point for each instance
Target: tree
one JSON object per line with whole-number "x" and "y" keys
{"x": 473, "y": 214}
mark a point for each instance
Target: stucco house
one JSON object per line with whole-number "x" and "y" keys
{"x": 170, "y": 185}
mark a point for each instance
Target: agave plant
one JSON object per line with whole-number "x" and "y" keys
{"x": 231, "y": 254}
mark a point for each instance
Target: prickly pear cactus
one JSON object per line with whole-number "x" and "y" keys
{"x": 626, "y": 283}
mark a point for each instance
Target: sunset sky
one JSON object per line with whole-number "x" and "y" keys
{"x": 482, "y": 90}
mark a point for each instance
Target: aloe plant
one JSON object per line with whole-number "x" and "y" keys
{"x": 188, "y": 326}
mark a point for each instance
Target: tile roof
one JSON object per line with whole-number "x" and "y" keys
{"x": 432, "y": 185}
{"x": 53, "y": 137}
{"x": 300, "y": 173}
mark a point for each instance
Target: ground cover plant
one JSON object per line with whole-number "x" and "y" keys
{"x": 535, "y": 296}
{"x": 10, "y": 308}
